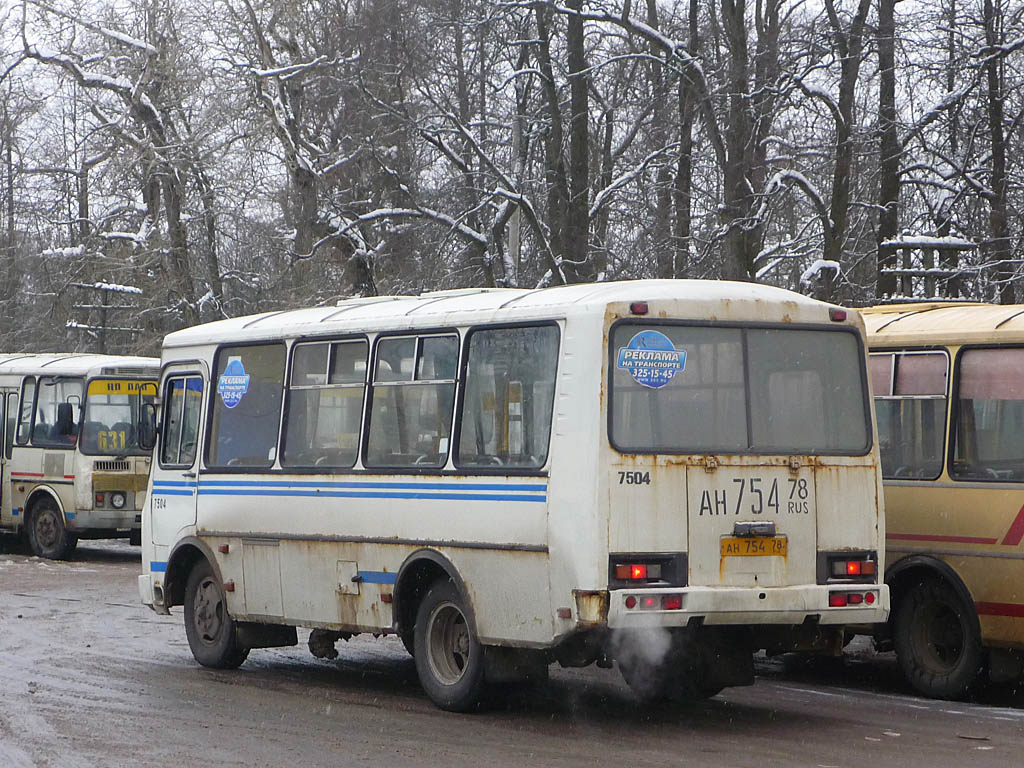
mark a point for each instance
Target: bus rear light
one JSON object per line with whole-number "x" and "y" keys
{"x": 630, "y": 602}
{"x": 847, "y": 568}
{"x": 649, "y": 603}
{"x": 843, "y": 599}
{"x": 637, "y": 571}
{"x": 638, "y": 308}
{"x": 672, "y": 603}
{"x": 837, "y": 315}
{"x": 100, "y": 499}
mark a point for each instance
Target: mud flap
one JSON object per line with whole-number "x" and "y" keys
{"x": 253, "y": 635}
{"x": 514, "y": 665}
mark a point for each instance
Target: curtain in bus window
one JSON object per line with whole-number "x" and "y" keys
{"x": 990, "y": 415}
{"x": 413, "y": 397}
{"x": 701, "y": 407}
{"x": 509, "y": 395}
{"x": 911, "y": 421}
{"x": 246, "y": 406}
{"x": 58, "y": 411}
{"x": 325, "y": 404}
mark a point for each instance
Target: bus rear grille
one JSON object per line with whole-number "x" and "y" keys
{"x": 112, "y": 466}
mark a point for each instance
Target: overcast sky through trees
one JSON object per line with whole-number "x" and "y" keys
{"x": 225, "y": 157}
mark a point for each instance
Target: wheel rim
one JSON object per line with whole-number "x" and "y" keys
{"x": 46, "y": 528}
{"x": 208, "y": 617}
{"x": 939, "y": 637}
{"x": 448, "y": 643}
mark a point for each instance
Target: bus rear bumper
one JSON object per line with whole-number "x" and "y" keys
{"x": 104, "y": 520}
{"x": 747, "y": 606}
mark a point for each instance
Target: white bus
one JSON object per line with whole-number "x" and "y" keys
{"x": 666, "y": 474}
{"x": 71, "y": 466}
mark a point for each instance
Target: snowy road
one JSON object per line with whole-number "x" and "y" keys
{"x": 89, "y": 677}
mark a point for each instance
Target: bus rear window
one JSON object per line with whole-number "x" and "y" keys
{"x": 700, "y": 389}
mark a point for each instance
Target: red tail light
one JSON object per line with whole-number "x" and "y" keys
{"x": 836, "y": 599}
{"x": 637, "y": 571}
{"x": 672, "y": 603}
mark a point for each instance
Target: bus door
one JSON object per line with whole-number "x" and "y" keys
{"x": 175, "y": 471}
{"x": 3, "y": 452}
{"x": 8, "y": 425}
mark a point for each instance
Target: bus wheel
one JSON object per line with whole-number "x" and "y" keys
{"x": 936, "y": 643}
{"x": 208, "y": 626}
{"x": 47, "y": 535}
{"x": 449, "y": 658}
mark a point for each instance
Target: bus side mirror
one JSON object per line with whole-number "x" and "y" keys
{"x": 147, "y": 426}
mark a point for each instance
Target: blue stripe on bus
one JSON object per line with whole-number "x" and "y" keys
{"x": 377, "y": 577}
{"x": 386, "y": 485}
{"x": 15, "y": 512}
{"x": 70, "y": 515}
{"x": 158, "y": 567}
{"x": 168, "y": 492}
{"x": 174, "y": 483}
{"x": 204, "y": 491}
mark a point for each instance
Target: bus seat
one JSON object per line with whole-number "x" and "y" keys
{"x": 64, "y": 429}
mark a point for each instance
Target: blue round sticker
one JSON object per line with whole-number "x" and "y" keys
{"x": 651, "y": 359}
{"x": 233, "y": 383}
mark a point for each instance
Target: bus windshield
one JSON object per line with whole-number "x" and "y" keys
{"x": 697, "y": 389}
{"x": 110, "y": 424}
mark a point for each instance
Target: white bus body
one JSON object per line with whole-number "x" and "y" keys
{"x": 661, "y": 499}
{"x": 72, "y": 466}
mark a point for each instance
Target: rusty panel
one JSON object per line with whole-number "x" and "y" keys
{"x": 646, "y": 506}
{"x": 846, "y": 495}
{"x": 722, "y": 496}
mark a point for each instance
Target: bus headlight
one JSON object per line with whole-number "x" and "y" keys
{"x": 117, "y": 500}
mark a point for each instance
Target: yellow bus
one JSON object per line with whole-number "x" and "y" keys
{"x": 948, "y": 383}
{"x": 71, "y": 466}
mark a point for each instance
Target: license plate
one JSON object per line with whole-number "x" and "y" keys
{"x": 754, "y": 546}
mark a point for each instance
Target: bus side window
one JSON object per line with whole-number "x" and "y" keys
{"x": 325, "y": 404}
{"x": 180, "y": 435}
{"x": 509, "y": 395}
{"x": 990, "y": 408}
{"x": 12, "y": 424}
{"x": 910, "y": 404}
{"x": 28, "y": 396}
{"x": 413, "y": 400}
{"x": 248, "y": 386}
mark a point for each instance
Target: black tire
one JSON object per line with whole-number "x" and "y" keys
{"x": 449, "y": 658}
{"x": 47, "y": 535}
{"x": 937, "y": 641}
{"x": 208, "y": 625}
{"x": 408, "y": 638}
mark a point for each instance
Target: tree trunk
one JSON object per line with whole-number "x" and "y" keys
{"x": 682, "y": 190}
{"x": 998, "y": 224}
{"x": 888, "y": 147}
{"x": 738, "y": 262}
{"x": 580, "y": 267}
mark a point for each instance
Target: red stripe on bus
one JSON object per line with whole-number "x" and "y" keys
{"x": 943, "y": 539}
{"x": 1016, "y": 532}
{"x": 69, "y": 477}
{"x": 1015, "y": 610}
{"x": 27, "y": 474}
